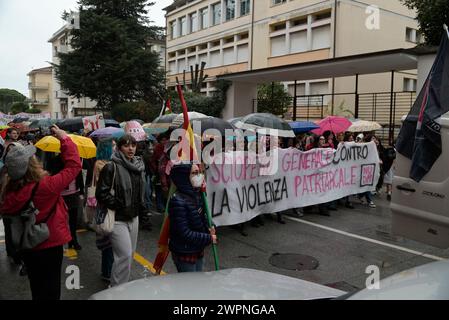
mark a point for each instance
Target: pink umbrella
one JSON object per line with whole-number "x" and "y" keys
{"x": 335, "y": 124}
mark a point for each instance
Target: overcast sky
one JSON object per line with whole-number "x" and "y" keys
{"x": 26, "y": 26}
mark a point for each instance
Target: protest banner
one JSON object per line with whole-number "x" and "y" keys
{"x": 240, "y": 189}
{"x": 93, "y": 123}
{"x": 31, "y": 116}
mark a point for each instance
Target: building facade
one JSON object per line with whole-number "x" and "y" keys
{"x": 66, "y": 106}
{"x": 40, "y": 87}
{"x": 240, "y": 35}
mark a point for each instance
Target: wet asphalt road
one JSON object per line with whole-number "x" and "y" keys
{"x": 342, "y": 244}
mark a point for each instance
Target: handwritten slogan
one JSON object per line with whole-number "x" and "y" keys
{"x": 240, "y": 187}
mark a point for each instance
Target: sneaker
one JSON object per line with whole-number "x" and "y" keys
{"x": 107, "y": 279}
{"x": 23, "y": 271}
{"x": 371, "y": 205}
{"x": 389, "y": 197}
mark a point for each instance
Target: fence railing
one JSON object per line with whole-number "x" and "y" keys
{"x": 386, "y": 108}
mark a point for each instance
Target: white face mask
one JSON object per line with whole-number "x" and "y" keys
{"x": 197, "y": 180}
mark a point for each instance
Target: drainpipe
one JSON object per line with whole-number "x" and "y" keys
{"x": 334, "y": 52}
{"x": 252, "y": 33}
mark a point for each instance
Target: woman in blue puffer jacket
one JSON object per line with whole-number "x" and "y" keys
{"x": 189, "y": 232}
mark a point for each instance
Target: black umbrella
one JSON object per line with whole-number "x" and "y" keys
{"x": 164, "y": 121}
{"x": 260, "y": 122}
{"x": 212, "y": 123}
{"x": 166, "y": 118}
{"x": 71, "y": 124}
{"x": 42, "y": 123}
{"x": 111, "y": 123}
{"x": 20, "y": 119}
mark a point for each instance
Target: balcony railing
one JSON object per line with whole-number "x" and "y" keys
{"x": 38, "y": 86}
{"x": 40, "y": 102}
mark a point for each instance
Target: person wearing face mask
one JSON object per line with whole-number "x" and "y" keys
{"x": 189, "y": 232}
{"x": 125, "y": 175}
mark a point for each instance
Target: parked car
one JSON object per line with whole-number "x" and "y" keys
{"x": 426, "y": 282}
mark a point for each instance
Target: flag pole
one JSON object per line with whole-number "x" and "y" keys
{"x": 187, "y": 127}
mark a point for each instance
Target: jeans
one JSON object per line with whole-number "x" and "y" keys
{"x": 182, "y": 266}
{"x": 160, "y": 201}
{"x": 107, "y": 259}
{"x": 368, "y": 195}
{"x": 148, "y": 192}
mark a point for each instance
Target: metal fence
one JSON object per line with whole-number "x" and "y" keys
{"x": 386, "y": 108}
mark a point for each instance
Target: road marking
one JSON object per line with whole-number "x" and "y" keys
{"x": 145, "y": 263}
{"x": 418, "y": 253}
{"x": 71, "y": 254}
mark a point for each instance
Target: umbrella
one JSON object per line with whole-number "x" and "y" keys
{"x": 21, "y": 127}
{"x": 111, "y": 123}
{"x": 233, "y": 121}
{"x": 162, "y": 122}
{"x": 212, "y": 123}
{"x": 71, "y": 124}
{"x": 141, "y": 122}
{"x": 151, "y": 130}
{"x": 179, "y": 120}
{"x": 106, "y": 132}
{"x": 86, "y": 147}
{"x": 20, "y": 119}
{"x": 263, "y": 121}
{"x": 303, "y": 126}
{"x": 364, "y": 126}
{"x": 335, "y": 124}
{"x": 42, "y": 123}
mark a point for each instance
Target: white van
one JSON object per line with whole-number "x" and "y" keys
{"x": 420, "y": 211}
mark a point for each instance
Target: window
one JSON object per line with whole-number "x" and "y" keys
{"x": 323, "y": 16}
{"x": 242, "y": 53}
{"x": 321, "y": 37}
{"x": 278, "y": 1}
{"x": 204, "y": 15}
{"x": 193, "y": 22}
{"x": 230, "y": 9}
{"x": 244, "y": 7}
{"x": 278, "y": 27}
{"x": 228, "y": 56}
{"x": 410, "y": 84}
{"x": 183, "y": 24}
{"x": 413, "y": 35}
{"x": 216, "y": 10}
{"x": 298, "y": 41}
{"x": 278, "y": 46}
{"x": 215, "y": 59}
{"x": 173, "y": 29}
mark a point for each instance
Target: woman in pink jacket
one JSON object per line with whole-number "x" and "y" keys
{"x": 24, "y": 171}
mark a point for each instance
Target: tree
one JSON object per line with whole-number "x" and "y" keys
{"x": 8, "y": 97}
{"x": 273, "y": 98}
{"x": 134, "y": 110}
{"x": 111, "y": 61}
{"x": 34, "y": 110}
{"x": 432, "y": 14}
{"x": 211, "y": 106}
{"x": 18, "y": 107}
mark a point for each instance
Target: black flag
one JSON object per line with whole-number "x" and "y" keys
{"x": 420, "y": 136}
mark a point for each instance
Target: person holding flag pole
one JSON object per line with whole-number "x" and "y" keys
{"x": 187, "y": 228}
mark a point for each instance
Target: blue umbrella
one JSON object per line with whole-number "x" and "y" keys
{"x": 303, "y": 126}
{"x": 107, "y": 132}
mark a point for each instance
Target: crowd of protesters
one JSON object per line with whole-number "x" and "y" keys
{"x": 132, "y": 178}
